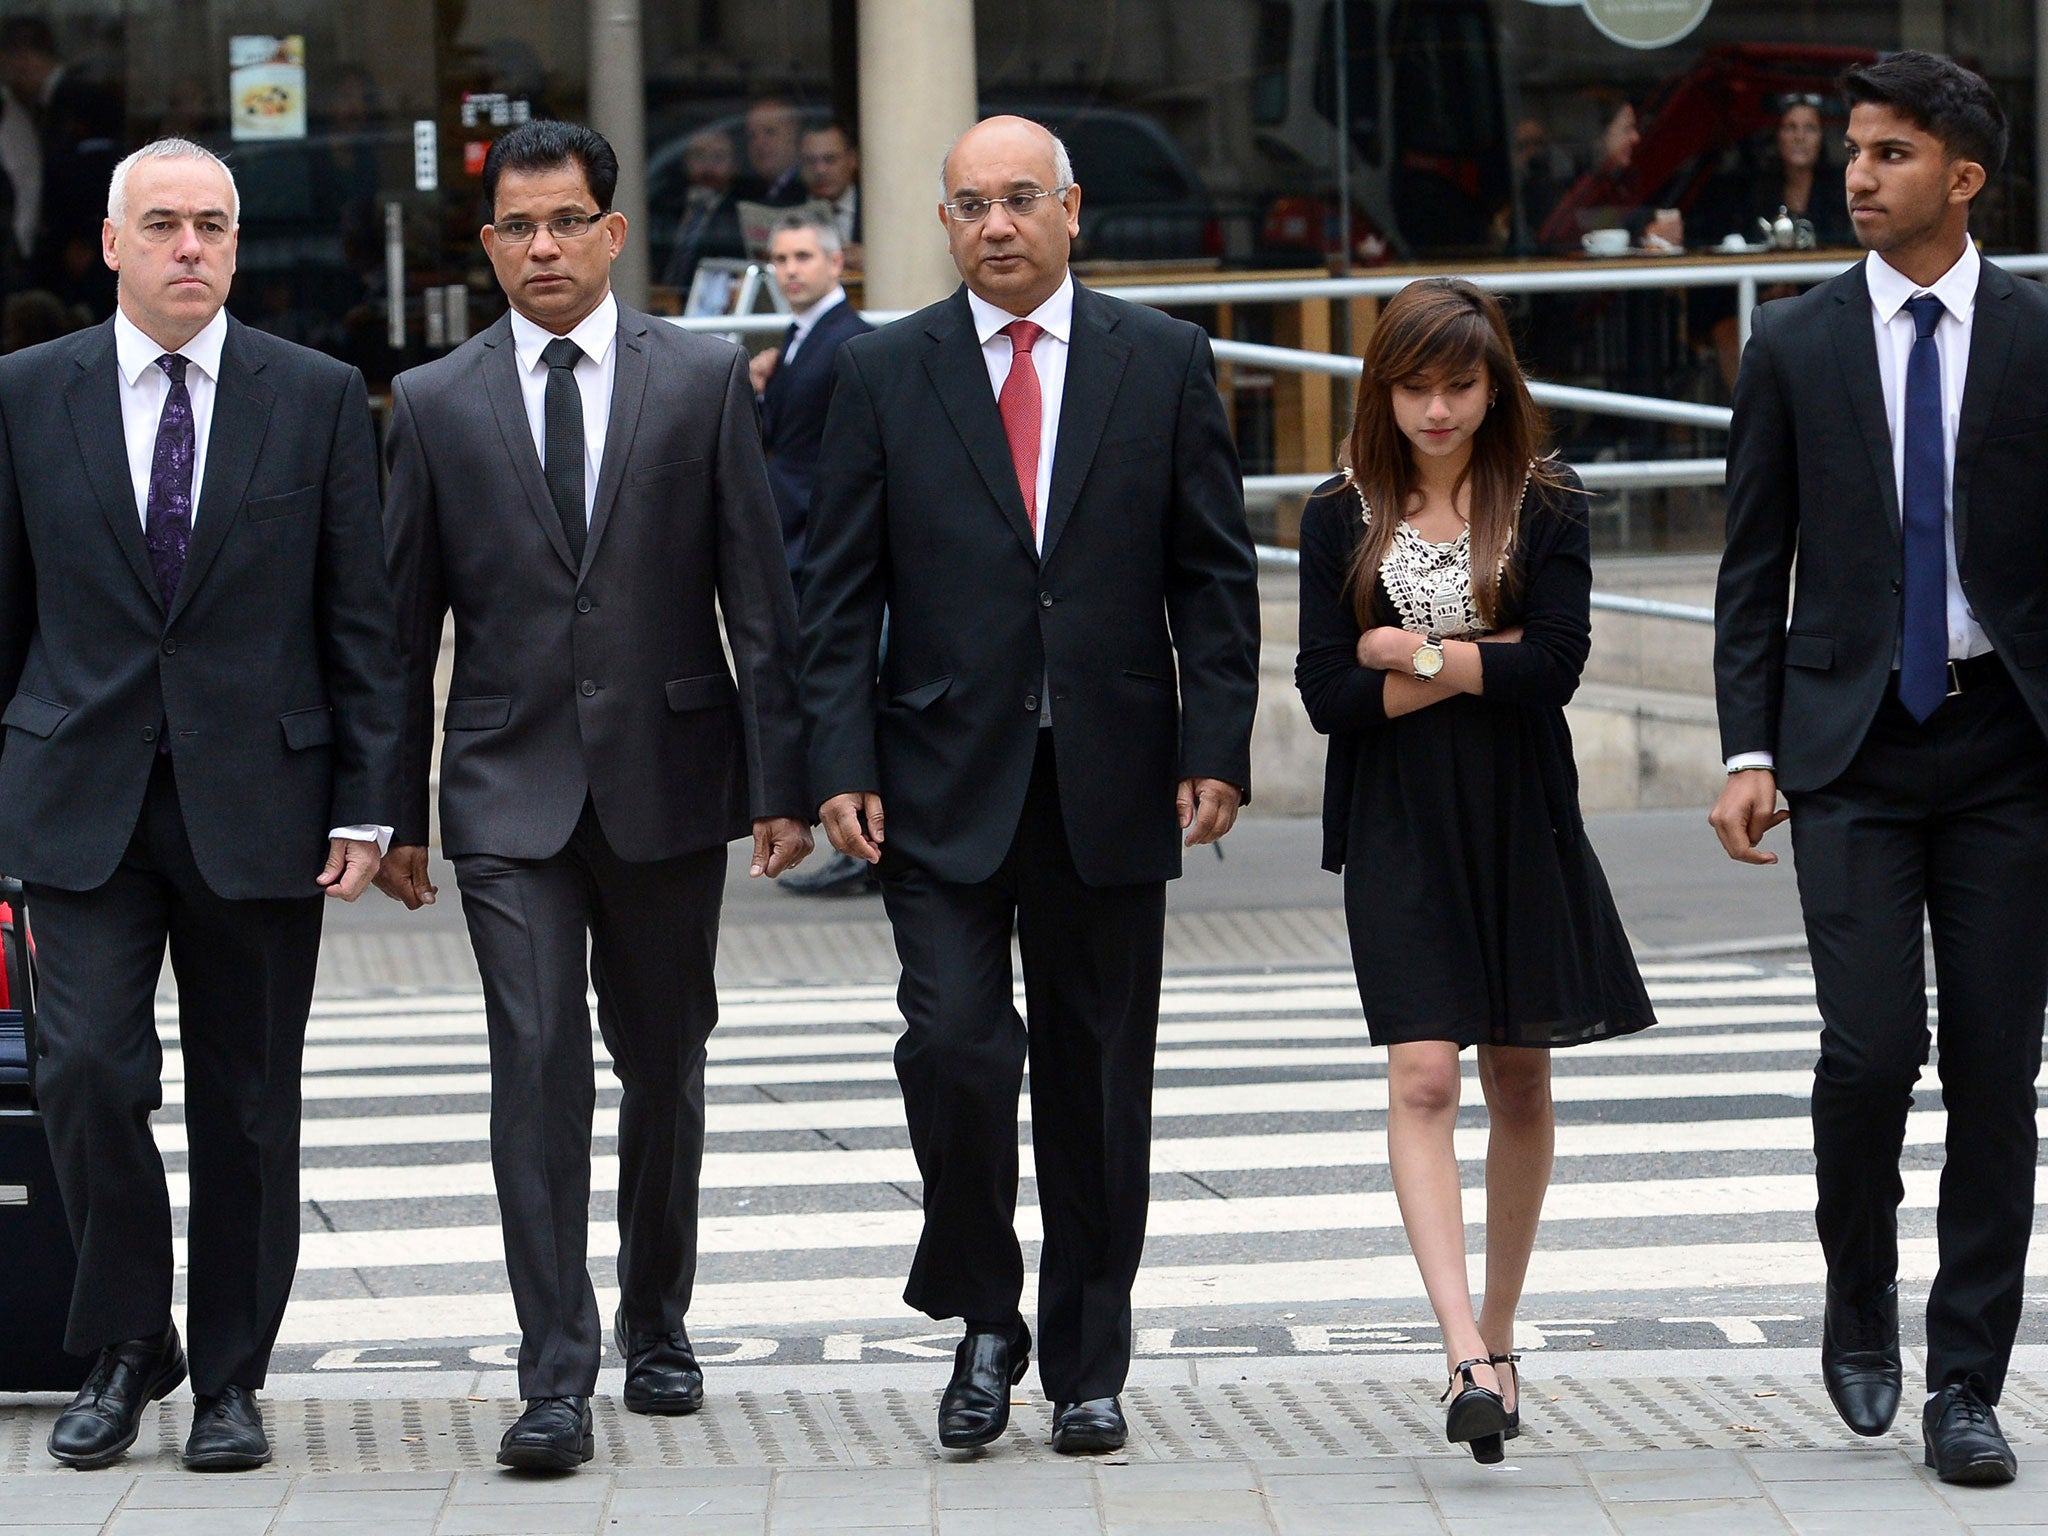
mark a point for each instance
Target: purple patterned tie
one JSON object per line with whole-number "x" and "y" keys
{"x": 167, "y": 516}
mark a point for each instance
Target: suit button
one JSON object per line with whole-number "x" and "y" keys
{"x": 589, "y": 688}
{"x": 170, "y": 647}
{"x": 1031, "y": 702}
{"x": 1895, "y": 589}
{"x": 1045, "y": 599}
{"x": 149, "y": 733}
{"x": 583, "y": 605}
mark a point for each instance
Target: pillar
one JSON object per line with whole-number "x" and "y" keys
{"x": 917, "y": 95}
{"x": 618, "y": 110}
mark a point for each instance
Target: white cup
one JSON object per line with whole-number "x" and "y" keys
{"x": 1605, "y": 242}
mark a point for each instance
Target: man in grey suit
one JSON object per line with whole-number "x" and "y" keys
{"x": 584, "y": 488}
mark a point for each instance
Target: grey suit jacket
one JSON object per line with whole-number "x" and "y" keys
{"x": 608, "y": 681}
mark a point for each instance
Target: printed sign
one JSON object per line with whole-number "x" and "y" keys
{"x": 267, "y": 87}
{"x": 1646, "y": 23}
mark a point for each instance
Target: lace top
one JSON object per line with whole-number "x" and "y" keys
{"x": 1429, "y": 584}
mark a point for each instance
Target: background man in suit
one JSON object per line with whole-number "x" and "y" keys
{"x": 795, "y": 384}
{"x": 583, "y": 487}
{"x": 831, "y": 171}
{"x": 1039, "y": 484}
{"x": 193, "y": 601}
{"x": 1891, "y": 430}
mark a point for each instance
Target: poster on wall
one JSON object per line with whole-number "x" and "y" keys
{"x": 267, "y": 87}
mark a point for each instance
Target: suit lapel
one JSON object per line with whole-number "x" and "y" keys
{"x": 1095, "y": 367}
{"x": 92, "y": 396}
{"x": 629, "y": 390}
{"x": 960, "y": 378}
{"x": 1855, "y": 339}
{"x": 241, "y": 415}
{"x": 501, "y": 384}
{"x": 1991, "y": 338}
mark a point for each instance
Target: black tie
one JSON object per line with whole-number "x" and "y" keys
{"x": 562, "y": 413}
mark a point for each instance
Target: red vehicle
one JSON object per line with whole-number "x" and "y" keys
{"x": 1731, "y": 95}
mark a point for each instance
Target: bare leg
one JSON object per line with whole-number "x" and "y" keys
{"x": 1422, "y": 1118}
{"x": 1519, "y": 1147}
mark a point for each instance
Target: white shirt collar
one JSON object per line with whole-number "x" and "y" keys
{"x": 594, "y": 333}
{"x": 1956, "y": 288}
{"x": 818, "y": 311}
{"x": 136, "y": 354}
{"x": 1056, "y": 314}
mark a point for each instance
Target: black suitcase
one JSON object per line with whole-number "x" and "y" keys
{"x": 37, "y": 1261}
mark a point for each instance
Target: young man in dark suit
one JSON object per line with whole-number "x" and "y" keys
{"x": 197, "y": 653}
{"x": 1891, "y": 432}
{"x": 582, "y": 487}
{"x": 1038, "y": 483}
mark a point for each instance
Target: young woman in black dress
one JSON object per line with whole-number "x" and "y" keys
{"x": 1445, "y": 580}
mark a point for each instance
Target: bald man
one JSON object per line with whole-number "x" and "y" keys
{"x": 1038, "y": 484}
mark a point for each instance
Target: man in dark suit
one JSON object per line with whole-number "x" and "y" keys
{"x": 1039, "y": 485}
{"x": 1891, "y": 431}
{"x": 582, "y": 486}
{"x": 193, "y": 603}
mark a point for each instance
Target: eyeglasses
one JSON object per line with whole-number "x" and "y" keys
{"x": 972, "y": 210}
{"x": 567, "y": 227}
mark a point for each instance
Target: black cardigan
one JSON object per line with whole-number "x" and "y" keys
{"x": 1548, "y": 596}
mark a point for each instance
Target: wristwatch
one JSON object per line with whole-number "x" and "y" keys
{"x": 1428, "y": 661}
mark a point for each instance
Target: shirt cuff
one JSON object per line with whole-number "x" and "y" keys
{"x": 366, "y": 833}
{"x": 1743, "y": 760}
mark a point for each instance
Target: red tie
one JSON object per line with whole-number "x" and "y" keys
{"x": 1023, "y": 411}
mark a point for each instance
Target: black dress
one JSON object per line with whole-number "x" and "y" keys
{"x": 1477, "y": 910}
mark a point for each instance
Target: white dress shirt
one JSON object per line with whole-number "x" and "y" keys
{"x": 846, "y": 212}
{"x": 21, "y": 157}
{"x": 1889, "y": 291}
{"x": 805, "y": 320}
{"x": 144, "y": 389}
{"x": 596, "y": 333}
{"x": 1049, "y": 357}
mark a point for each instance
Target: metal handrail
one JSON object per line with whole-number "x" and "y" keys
{"x": 1623, "y": 475}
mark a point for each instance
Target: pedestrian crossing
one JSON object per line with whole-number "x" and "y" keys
{"x": 1683, "y": 1169}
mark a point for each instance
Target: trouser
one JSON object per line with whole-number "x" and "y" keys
{"x": 1092, "y": 958}
{"x": 245, "y": 982}
{"x": 1948, "y": 818}
{"x": 651, "y": 934}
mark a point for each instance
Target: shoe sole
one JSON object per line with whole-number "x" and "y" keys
{"x": 663, "y": 1407}
{"x": 537, "y": 1458}
{"x": 1489, "y": 1450}
{"x": 1475, "y": 1418}
{"x": 162, "y": 1388}
{"x": 958, "y": 1442}
{"x": 1988, "y": 1473}
{"x": 1086, "y": 1444}
{"x": 225, "y": 1461}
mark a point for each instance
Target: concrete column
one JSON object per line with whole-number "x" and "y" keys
{"x": 2040, "y": 125}
{"x": 917, "y": 95}
{"x": 618, "y": 110}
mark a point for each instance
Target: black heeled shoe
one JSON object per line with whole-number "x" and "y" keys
{"x": 1477, "y": 1417}
{"x": 1514, "y": 1363}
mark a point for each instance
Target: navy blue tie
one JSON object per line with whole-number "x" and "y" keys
{"x": 1923, "y": 651}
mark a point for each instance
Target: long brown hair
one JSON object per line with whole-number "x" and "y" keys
{"x": 1435, "y": 328}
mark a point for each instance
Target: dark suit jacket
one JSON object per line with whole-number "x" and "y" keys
{"x": 275, "y": 666}
{"x": 1810, "y": 474}
{"x": 607, "y": 682}
{"x": 1147, "y": 564}
{"x": 793, "y": 421}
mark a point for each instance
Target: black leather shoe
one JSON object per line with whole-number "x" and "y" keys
{"x": 101, "y": 1421}
{"x": 975, "y": 1408}
{"x": 1961, "y": 1434}
{"x": 1859, "y": 1360}
{"x": 555, "y": 1434}
{"x": 227, "y": 1433}
{"x": 1477, "y": 1417}
{"x": 1514, "y": 1363}
{"x": 662, "y": 1374}
{"x": 1090, "y": 1428}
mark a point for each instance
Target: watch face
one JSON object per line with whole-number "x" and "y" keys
{"x": 1429, "y": 660}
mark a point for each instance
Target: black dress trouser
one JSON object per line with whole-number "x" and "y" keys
{"x": 1948, "y": 818}
{"x": 650, "y": 931}
{"x": 1092, "y": 957}
{"x": 245, "y": 974}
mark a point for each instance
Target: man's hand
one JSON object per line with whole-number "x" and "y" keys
{"x": 1747, "y": 809}
{"x": 403, "y": 876}
{"x": 842, "y": 816}
{"x": 1208, "y": 809}
{"x": 780, "y": 843}
{"x": 761, "y": 367}
{"x": 351, "y": 866}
